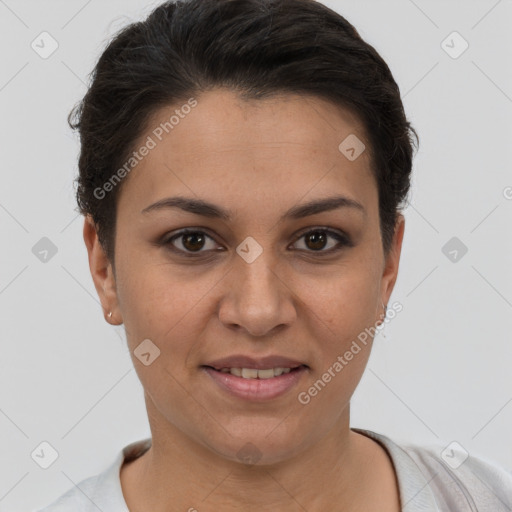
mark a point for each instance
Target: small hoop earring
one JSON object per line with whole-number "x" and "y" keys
{"x": 110, "y": 314}
{"x": 383, "y": 317}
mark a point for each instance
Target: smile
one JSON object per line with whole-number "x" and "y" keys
{"x": 252, "y": 373}
{"x": 255, "y": 384}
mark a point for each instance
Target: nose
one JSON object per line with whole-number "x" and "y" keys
{"x": 258, "y": 300}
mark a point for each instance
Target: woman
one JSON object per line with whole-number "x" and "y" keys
{"x": 242, "y": 172}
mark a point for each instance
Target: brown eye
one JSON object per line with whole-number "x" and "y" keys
{"x": 191, "y": 241}
{"x": 317, "y": 240}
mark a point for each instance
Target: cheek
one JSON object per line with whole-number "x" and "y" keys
{"x": 344, "y": 315}
{"x": 345, "y": 300}
{"x": 158, "y": 307}
{"x": 344, "y": 310}
{"x": 160, "y": 303}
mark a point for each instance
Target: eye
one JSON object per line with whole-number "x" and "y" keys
{"x": 190, "y": 242}
{"x": 315, "y": 240}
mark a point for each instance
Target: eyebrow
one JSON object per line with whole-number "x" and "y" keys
{"x": 206, "y": 209}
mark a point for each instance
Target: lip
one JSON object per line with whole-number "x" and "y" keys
{"x": 256, "y": 390}
{"x": 242, "y": 361}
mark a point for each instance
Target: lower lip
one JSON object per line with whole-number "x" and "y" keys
{"x": 256, "y": 389}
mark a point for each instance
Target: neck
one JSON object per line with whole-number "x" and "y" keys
{"x": 179, "y": 473}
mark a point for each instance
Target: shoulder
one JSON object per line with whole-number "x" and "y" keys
{"x": 460, "y": 477}
{"x": 102, "y": 491}
{"x": 447, "y": 476}
{"x": 79, "y": 498}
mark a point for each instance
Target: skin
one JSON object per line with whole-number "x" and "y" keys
{"x": 256, "y": 158}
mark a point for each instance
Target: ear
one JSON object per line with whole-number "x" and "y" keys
{"x": 390, "y": 272}
{"x": 102, "y": 273}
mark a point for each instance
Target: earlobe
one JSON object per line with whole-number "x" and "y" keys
{"x": 101, "y": 271}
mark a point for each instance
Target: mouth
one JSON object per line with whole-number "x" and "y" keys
{"x": 255, "y": 380}
{"x": 254, "y": 373}
{"x": 243, "y": 362}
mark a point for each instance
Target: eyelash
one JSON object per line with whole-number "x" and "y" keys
{"x": 343, "y": 241}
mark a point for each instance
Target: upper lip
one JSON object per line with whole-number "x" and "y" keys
{"x": 241, "y": 361}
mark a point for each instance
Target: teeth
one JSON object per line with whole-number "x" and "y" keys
{"x": 263, "y": 374}
{"x": 252, "y": 373}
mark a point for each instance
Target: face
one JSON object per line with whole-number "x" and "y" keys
{"x": 268, "y": 279}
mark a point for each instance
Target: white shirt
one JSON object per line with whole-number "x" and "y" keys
{"x": 427, "y": 481}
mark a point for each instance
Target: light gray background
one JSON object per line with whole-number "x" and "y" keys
{"x": 441, "y": 371}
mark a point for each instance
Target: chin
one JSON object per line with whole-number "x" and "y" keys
{"x": 266, "y": 445}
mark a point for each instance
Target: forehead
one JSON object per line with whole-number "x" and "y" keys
{"x": 227, "y": 147}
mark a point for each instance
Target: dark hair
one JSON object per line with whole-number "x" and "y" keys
{"x": 255, "y": 47}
